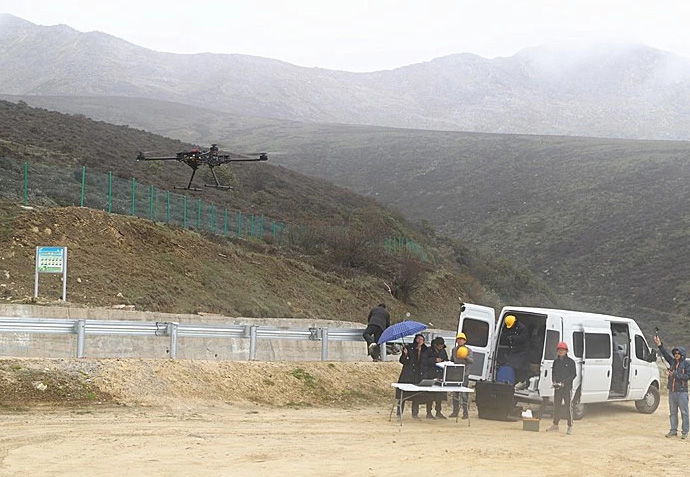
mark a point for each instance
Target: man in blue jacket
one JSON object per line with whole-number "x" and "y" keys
{"x": 678, "y": 375}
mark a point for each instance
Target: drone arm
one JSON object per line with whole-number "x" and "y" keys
{"x": 225, "y": 159}
{"x": 142, "y": 157}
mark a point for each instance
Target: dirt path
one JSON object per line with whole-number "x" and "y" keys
{"x": 222, "y": 440}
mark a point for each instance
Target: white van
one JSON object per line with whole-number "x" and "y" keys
{"x": 614, "y": 362}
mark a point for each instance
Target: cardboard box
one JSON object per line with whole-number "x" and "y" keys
{"x": 530, "y": 425}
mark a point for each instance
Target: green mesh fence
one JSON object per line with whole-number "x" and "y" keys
{"x": 43, "y": 184}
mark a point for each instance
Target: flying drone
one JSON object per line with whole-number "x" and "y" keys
{"x": 212, "y": 158}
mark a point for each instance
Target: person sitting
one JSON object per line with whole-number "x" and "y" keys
{"x": 515, "y": 336}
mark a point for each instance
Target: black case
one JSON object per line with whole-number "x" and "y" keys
{"x": 494, "y": 400}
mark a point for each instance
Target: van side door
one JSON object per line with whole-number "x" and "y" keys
{"x": 597, "y": 363}
{"x": 640, "y": 367}
{"x": 554, "y": 331}
{"x": 479, "y": 324}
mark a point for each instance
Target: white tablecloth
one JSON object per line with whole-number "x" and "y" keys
{"x": 431, "y": 389}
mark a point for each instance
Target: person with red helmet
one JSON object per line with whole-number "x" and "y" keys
{"x": 563, "y": 374}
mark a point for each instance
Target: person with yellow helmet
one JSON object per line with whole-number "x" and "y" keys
{"x": 461, "y": 354}
{"x": 514, "y": 339}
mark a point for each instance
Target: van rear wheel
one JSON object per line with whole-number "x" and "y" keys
{"x": 650, "y": 401}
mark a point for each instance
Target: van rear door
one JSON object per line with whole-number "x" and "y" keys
{"x": 479, "y": 324}
{"x": 597, "y": 362}
{"x": 554, "y": 331}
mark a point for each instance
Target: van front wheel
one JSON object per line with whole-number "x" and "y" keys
{"x": 649, "y": 402}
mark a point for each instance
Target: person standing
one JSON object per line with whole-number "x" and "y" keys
{"x": 678, "y": 375}
{"x": 378, "y": 320}
{"x": 436, "y": 354}
{"x": 563, "y": 374}
{"x": 461, "y": 354}
{"x": 412, "y": 359}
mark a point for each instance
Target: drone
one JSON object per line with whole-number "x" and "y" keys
{"x": 212, "y": 158}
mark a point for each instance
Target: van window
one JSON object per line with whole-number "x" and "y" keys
{"x": 598, "y": 346}
{"x": 578, "y": 343}
{"x": 477, "y": 332}
{"x": 552, "y": 339}
{"x": 641, "y": 348}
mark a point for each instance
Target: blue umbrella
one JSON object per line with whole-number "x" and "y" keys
{"x": 399, "y": 330}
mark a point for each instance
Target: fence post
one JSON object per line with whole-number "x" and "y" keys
{"x": 110, "y": 191}
{"x": 184, "y": 211}
{"x": 172, "y": 331}
{"x": 324, "y": 344}
{"x": 26, "y": 183}
{"x": 252, "y": 342}
{"x": 167, "y": 206}
{"x": 151, "y": 202}
{"x": 239, "y": 223}
{"x": 225, "y": 223}
{"x": 211, "y": 218}
{"x": 382, "y": 349}
{"x": 83, "y": 185}
{"x": 251, "y": 226}
{"x": 134, "y": 189}
{"x": 80, "y": 325}
{"x": 198, "y": 215}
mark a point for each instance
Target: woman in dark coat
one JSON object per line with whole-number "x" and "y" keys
{"x": 413, "y": 359}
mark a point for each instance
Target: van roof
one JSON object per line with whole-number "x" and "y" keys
{"x": 566, "y": 314}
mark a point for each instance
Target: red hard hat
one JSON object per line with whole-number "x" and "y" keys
{"x": 562, "y": 345}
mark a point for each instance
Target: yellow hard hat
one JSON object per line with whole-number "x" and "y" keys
{"x": 510, "y": 321}
{"x": 462, "y": 352}
{"x": 461, "y": 335}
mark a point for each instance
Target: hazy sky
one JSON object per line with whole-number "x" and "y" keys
{"x": 368, "y": 35}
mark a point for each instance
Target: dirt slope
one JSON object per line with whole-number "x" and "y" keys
{"x": 122, "y": 260}
{"x": 69, "y": 382}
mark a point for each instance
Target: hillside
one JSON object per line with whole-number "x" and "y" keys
{"x": 622, "y": 91}
{"x": 600, "y": 220}
{"x": 329, "y": 262}
{"x": 596, "y": 219}
{"x": 115, "y": 260}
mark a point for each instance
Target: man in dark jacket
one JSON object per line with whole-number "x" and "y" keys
{"x": 678, "y": 375}
{"x": 515, "y": 337}
{"x": 436, "y": 354}
{"x": 563, "y": 374}
{"x": 378, "y": 320}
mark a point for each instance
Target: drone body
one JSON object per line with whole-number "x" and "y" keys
{"x": 212, "y": 158}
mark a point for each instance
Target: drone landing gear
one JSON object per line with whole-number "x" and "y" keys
{"x": 189, "y": 188}
{"x": 217, "y": 185}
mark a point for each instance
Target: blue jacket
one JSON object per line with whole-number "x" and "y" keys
{"x": 678, "y": 381}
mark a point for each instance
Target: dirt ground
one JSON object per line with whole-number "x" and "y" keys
{"x": 220, "y": 425}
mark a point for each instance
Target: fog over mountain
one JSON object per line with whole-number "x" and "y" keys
{"x": 607, "y": 91}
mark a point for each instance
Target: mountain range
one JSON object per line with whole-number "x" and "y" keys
{"x": 608, "y": 91}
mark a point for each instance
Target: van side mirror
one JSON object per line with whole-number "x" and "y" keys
{"x": 651, "y": 358}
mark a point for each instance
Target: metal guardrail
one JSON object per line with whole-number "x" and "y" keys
{"x": 174, "y": 330}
